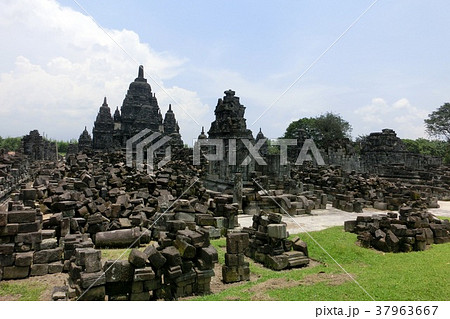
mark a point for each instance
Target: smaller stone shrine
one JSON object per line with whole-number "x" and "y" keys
{"x": 103, "y": 129}
{"x": 38, "y": 148}
{"x": 85, "y": 141}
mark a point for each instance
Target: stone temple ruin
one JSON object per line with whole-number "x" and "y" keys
{"x": 56, "y": 215}
{"x": 139, "y": 111}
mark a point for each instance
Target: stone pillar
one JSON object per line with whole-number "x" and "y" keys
{"x": 237, "y": 192}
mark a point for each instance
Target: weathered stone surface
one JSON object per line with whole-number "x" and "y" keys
{"x": 118, "y": 271}
{"x": 300, "y": 245}
{"x": 48, "y": 255}
{"x": 296, "y": 259}
{"x": 93, "y": 294}
{"x": 24, "y": 259}
{"x": 276, "y": 262}
{"x": 144, "y": 274}
{"x": 6, "y": 249}
{"x": 119, "y": 238}
{"x": 89, "y": 259}
{"x": 156, "y": 259}
{"x": 209, "y": 255}
{"x": 39, "y": 269}
{"x": 92, "y": 279}
{"x": 277, "y": 231}
{"x": 172, "y": 256}
{"x": 9, "y": 230}
{"x": 141, "y": 296}
{"x": 237, "y": 242}
{"x": 49, "y": 243}
{"x": 21, "y": 217}
{"x": 137, "y": 258}
{"x": 29, "y": 227}
{"x": 6, "y": 260}
{"x": 186, "y": 250}
{"x": 3, "y": 219}
{"x": 55, "y": 267}
{"x": 234, "y": 260}
{"x": 15, "y": 272}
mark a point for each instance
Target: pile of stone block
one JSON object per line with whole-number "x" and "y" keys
{"x": 349, "y": 203}
{"x": 70, "y": 243}
{"x": 192, "y": 213}
{"x": 180, "y": 265}
{"x": 86, "y": 275}
{"x": 236, "y": 268}
{"x": 13, "y": 172}
{"x": 269, "y": 245}
{"x": 189, "y": 260}
{"x": 26, "y": 249}
{"x": 294, "y": 201}
{"x": 224, "y": 207}
{"x": 115, "y": 203}
{"x": 413, "y": 230}
{"x": 351, "y": 191}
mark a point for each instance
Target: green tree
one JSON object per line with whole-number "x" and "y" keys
{"x": 438, "y": 123}
{"x": 326, "y": 130}
{"x": 10, "y": 143}
{"x": 429, "y": 147}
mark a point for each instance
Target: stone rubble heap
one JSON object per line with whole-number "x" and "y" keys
{"x": 13, "y": 172}
{"x": 354, "y": 191}
{"x": 236, "y": 268}
{"x": 269, "y": 244}
{"x": 190, "y": 259}
{"x": 282, "y": 200}
{"x": 26, "y": 249}
{"x": 413, "y": 230}
{"x": 181, "y": 264}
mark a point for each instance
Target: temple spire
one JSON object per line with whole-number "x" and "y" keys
{"x": 141, "y": 72}
{"x": 104, "y": 101}
{"x": 170, "y": 107}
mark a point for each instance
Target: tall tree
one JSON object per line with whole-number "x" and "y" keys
{"x": 326, "y": 130}
{"x": 438, "y": 122}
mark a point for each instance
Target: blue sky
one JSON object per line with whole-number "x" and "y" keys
{"x": 390, "y": 70}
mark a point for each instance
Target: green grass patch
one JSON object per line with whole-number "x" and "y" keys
{"x": 21, "y": 291}
{"x": 113, "y": 254}
{"x": 385, "y": 276}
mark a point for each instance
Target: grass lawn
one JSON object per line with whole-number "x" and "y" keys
{"x": 23, "y": 291}
{"x": 385, "y": 276}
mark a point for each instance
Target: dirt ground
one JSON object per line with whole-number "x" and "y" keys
{"x": 50, "y": 281}
{"x": 260, "y": 290}
{"x": 217, "y": 284}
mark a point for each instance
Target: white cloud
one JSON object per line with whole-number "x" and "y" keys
{"x": 402, "y": 116}
{"x": 59, "y": 64}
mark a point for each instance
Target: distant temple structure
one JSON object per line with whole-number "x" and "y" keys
{"x": 139, "y": 111}
{"x": 85, "y": 141}
{"x": 38, "y": 148}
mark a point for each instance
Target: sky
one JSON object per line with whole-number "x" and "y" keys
{"x": 388, "y": 70}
